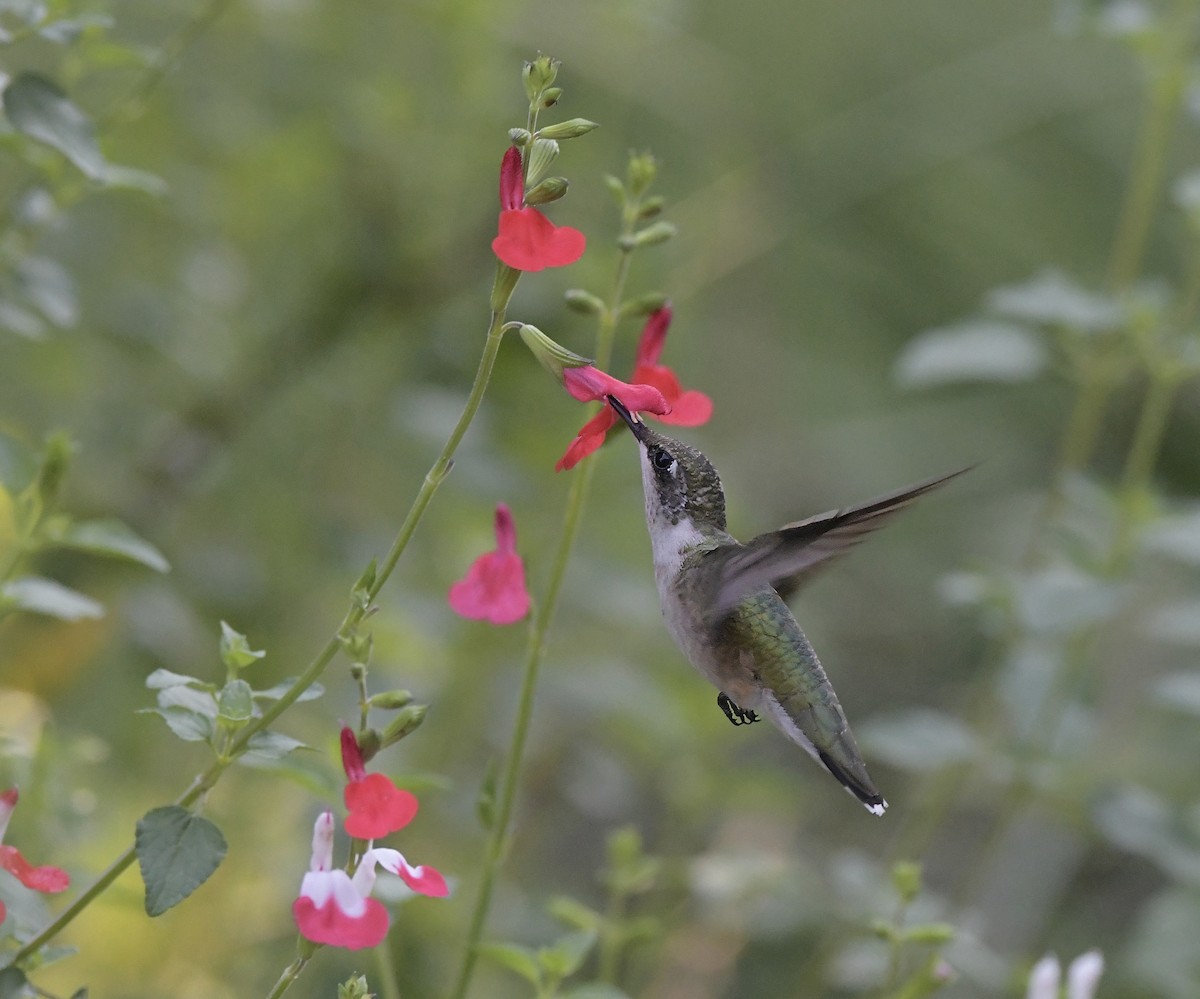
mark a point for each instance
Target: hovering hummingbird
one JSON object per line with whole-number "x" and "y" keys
{"x": 723, "y": 601}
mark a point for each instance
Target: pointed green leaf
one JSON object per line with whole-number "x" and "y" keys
{"x": 177, "y": 852}
{"x": 235, "y": 649}
{"x": 160, "y": 679}
{"x": 283, "y": 686}
{"x": 190, "y": 726}
{"x": 113, "y": 539}
{"x": 201, "y": 700}
{"x": 44, "y": 596}
{"x": 14, "y": 985}
{"x": 567, "y": 910}
{"x": 37, "y": 108}
{"x": 979, "y": 351}
{"x": 568, "y": 953}
{"x": 1052, "y": 299}
{"x": 266, "y": 748}
{"x": 515, "y": 958}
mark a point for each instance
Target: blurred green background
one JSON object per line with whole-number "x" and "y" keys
{"x": 260, "y": 365}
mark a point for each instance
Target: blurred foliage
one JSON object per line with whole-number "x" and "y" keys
{"x": 245, "y": 266}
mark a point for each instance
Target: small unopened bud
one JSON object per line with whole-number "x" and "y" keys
{"x": 519, "y": 136}
{"x": 930, "y": 933}
{"x": 369, "y": 743}
{"x": 358, "y": 647}
{"x": 235, "y": 704}
{"x": 659, "y": 232}
{"x": 650, "y": 207}
{"x": 552, "y": 356}
{"x": 53, "y": 470}
{"x": 572, "y": 128}
{"x": 538, "y": 75}
{"x": 906, "y": 879}
{"x": 542, "y": 152}
{"x": 407, "y": 721}
{"x": 358, "y": 671}
{"x": 550, "y": 96}
{"x": 582, "y": 301}
{"x": 235, "y": 649}
{"x": 643, "y": 168}
{"x": 615, "y": 188}
{"x": 643, "y": 305}
{"x": 550, "y": 189}
{"x": 390, "y": 700}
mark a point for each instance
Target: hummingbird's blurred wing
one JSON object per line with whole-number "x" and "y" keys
{"x": 789, "y": 557}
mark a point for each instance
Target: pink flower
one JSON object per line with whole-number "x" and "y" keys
{"x": 494, "y": 586}
{"x": 337, "y": 909}
{"x": 376, "y": 806}
{"x": 684, "y": 408}
{"x": 43, "y": 879}
{"x": 526, "y": 239}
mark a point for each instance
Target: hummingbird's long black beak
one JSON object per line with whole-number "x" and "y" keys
{"x": 635, "y": 424}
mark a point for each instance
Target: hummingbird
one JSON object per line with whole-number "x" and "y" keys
{"x": 724, "y": 601}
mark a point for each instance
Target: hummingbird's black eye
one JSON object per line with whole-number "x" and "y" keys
{"x": 661, "y": 459}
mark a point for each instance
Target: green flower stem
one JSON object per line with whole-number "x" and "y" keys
{"x": 505, "y": 282}
{"x": 290, "y": 974}
{"x": 539, "y": 628}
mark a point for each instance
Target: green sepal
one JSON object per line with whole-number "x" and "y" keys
{"x": 552, "y": 356}
{"x": 407, "y": 721}
{"x": 390, "y": 700}
{"x": 658, "y": 232}
{"x": 584, "y": 302}
{"x": 546, "y": 191}
{"x": 235, "y": 649}
{"x": 572, "y": 128}
{"x": 643, "y": 305}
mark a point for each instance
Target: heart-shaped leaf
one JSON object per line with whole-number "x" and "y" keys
{"x": 177, "y": 852}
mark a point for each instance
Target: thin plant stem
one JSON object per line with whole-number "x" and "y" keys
{"x": 289, "y": 975}
{"x": 539, "y": 629}
{"x": 204, "y": 781}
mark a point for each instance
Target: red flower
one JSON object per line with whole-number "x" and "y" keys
{"x": 684, "y": 408}
{"x": 376, "y": 806}
{"x": 43, "y": 879}
{"x": 526, "y": 239}
{"x": 494, "y": 586}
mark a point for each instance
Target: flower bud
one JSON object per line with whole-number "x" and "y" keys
{"x": 643, "y": 305}
{"x": 542, "y": 152}
{"x": 550, "y": 189}
{"x": 552, "y": 356}
{"x": 572, "y": 128}
{"x": 538, "y": 75}
{"x": 53, "y": 470}
{"x": 582, "y": 301}
{"x": 643, "y": 168}
{"x": 405, "y": 723}
{"x": 519, "y": 136}
{"x": 235, "y": 649}
{"x": 650, "y": 207}
{"x": 390, "y": 700}
{"x": 906, "y": 879}
{"x": 550, "y": 97}
{"x": 235, "y": 704}
{"x": 616, "y": 189}
{"x": 369, "y": 743}
{"x": 659, "y": 232}
{"x": 930, "y": 933}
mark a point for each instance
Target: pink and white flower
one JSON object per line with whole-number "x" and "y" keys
{"x": 43, "y": 879}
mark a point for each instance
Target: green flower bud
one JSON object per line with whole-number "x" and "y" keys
{"x": 358, "y": 647}
{"x": 369, "y": 743}
{"x": 643, "y": 305}
{"x": 552, "y": 356}
{"x": 355, "y": 987}
{"x": 906, "y": 879}
{"x": 550, "y": 189}
{"x": 235, "y": 704}
{"x": 407, "y": 721}
{"x": 616, "y": 188}
{"x": 390, "y": 700}
{"x": 235, "y": 649}
{"x": 519, "y": 136}
{"x": 538, "y": 75}
{"x": 59, "y": 449}
{"x": 643, "y": 168}
{"x": 542, "y": 153}
{"x": 584, "y": 302}
{"x": 930, "y": 933}
{"x": 572, "y": 128}
{"x": 357, "y": 672}
{"x": 659, "y": 232}
{"x": 550, "y": 97}
{"x": 651, "y": 207}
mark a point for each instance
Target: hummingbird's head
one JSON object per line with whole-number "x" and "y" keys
{"x": 680, "y": 482}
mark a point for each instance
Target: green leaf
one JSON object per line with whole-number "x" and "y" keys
{"x": 266, "y": 748}
{"x": 48, "y": 286}
{"x": 977, "y": 351}
{"x": 515, "y": 958}
{"x": 44, "y": 596}
{"x": 1052, "y": 299}
{"x": 1180, "y": 691}
{"x": 160, "y": 679}
{"x": 177, "y": 852}
{"x": 572, "y": 913}
{"x": 919, "y": 740}
{"x": 235, "y": 649}
{"x": 235, "y": 703}
{"x": 113, "y": 539}
{"x": 1176, "y": 537}
{"x": 190, "y": 726}
{"x": 14, "y": 985}
{"x": 191, "y": 697}
{"x": 37, "y": 108}
{"x": 283, "y": 686}
{"x": 568, "y": 953}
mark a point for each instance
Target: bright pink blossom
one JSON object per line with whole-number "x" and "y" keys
{"x": 686, "y": 408}
{"x": 526, "y": 240}
{"x": 376, "y": 806}
{"x": 337, "y": 909}
{"x": 494, "y": 586}
{"x": 43, "y": 879}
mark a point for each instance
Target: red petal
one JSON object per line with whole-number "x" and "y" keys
{"x": 47, "y": 879}
{"x": 492, "y": 590}
{"x": 690, "y": 409}
{"x": 352, "y": 761}
{"x": 506, "y": 531}
{"x": 330, "y": 925}
{"x": 529, "y": 241}
{"x": 512, "y": 179}
{"x": 591, "y": 436}
{"x": 662, "y": 378}
{"x": 377, "y": 807}
{"x": 424, "y": 879}
{"x": 654, "y": 334}
{"x": 590, "y": 384}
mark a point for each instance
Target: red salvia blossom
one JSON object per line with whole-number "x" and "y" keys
{"x": 376, "y": 806}
{"x": 686, "y": 408}
{"x": 43, "y": 879}
{"x": 526, "y": 239}
{"x": 494, "y": 586}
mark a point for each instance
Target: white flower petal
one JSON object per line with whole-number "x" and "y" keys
{"x": 1044, "y": 978}
{"x": 1084, "y": 975}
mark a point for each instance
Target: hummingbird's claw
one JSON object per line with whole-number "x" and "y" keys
{"x": 737, "y": 715}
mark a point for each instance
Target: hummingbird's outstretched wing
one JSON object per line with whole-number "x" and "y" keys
{"x": 789, "y": 557}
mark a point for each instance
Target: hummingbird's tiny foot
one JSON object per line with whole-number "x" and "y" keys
{"x": 737, "y": 715}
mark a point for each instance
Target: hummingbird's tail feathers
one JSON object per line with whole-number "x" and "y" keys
{"x": 788, "y": 558}
{"x": 872, "y": 800}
